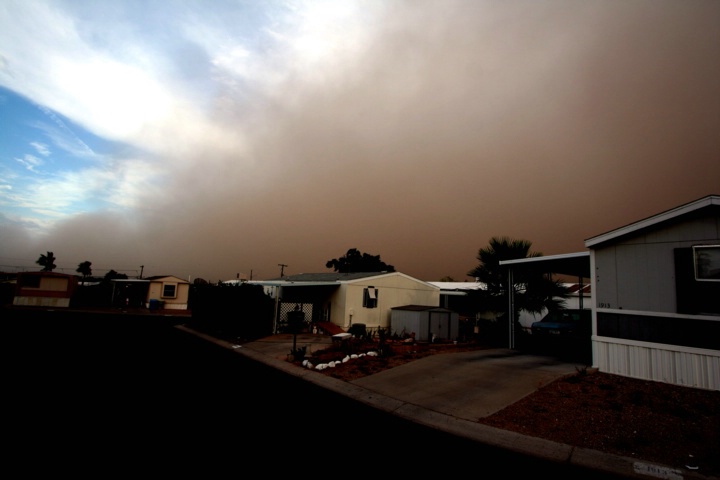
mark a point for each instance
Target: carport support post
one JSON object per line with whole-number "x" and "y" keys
{"x": 511, "y": 310}
{"x": 277, "y": 305}
{"x": 581, "y": 285}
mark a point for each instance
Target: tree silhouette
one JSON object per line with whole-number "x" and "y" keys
{"x": 84, "y": 269}
{"x": 113, "y": 275}
{"x": 354, "y": 261}
{"x": 533, "y": 290}
{"x": 47, "y": 262}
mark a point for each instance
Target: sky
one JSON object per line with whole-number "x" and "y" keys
{"x": 222, "y": 139}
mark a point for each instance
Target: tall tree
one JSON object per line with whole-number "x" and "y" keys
{"x": 533, "y": 291}
{"x": 47, "y": 262}
{"x": 354, "y": 261}
{"x": 84, "y": 269}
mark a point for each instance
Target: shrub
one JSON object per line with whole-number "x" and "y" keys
{"x": 298, "y": 353}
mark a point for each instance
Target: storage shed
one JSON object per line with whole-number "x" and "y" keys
{"x": 426, "y": 322}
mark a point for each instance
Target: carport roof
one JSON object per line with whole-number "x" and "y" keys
{"x": 575, "y": 264}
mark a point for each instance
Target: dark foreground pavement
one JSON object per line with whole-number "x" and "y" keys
{"x": 98, "y": 397}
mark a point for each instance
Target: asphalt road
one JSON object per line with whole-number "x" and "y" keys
{"x": 94, "y": 397}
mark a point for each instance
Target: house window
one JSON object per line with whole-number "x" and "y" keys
{"x": 370, "y": 295}
{"x": 30, "y": 281}
{"x": 169, "y": 290}
{"x": 697, "y": 286}
{"x": 706, "y": 259}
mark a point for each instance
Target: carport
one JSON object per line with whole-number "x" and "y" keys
{"x": 570, "y": 264}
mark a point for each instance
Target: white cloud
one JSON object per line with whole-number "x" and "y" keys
{"x": 41, "y": 148}
{"x": 31, "y": 162}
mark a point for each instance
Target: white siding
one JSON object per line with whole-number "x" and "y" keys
{"x": 182, "y": 293}
{"x": 636, "y": 272}
{"x": 394, "y": 290}
{"x": 680, "y": 366}
{"x": 605, "y": 286}
{"x": 639, "y": 273}
{"x": 54, "y": 302}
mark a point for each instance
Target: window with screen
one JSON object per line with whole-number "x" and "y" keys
{"x": 30, "y": 281}
{"x": 169, "y": 290}
{"x": 697, "y": 286}
{"x": 707, "y": 263}
{"x": 370, "y": 296}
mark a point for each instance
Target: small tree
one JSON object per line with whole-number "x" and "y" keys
{"x": 354, "y": 261}
{"x": 84, "y": 269}
{"x": 47, "y": 262}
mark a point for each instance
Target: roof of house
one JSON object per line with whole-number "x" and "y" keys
{"x": 162, "y": 277}
{"x": 459, "y": 286}
{"x": 576, "y": 288}
{"x": 332, "y": 278}
{"x": 708, "y": 202}
{"x": 326, "y": 277}
{"x": 46, "y": 273}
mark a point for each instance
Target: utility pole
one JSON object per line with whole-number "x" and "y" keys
{"x": 282, "y": 268}
{"x": 141, "y": 270}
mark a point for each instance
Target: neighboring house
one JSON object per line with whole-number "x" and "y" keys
{"x": 656, "y": 295}
{"x": 345, "y": 299}
{"x": 154, "y": 293}
{"x": 167, "y": 292}
{"x": 44, "y": 289}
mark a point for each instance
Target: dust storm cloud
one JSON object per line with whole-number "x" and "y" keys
{"x": 418, "y": 131}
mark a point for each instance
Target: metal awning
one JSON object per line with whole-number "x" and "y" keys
{"x": 572, "y": 264}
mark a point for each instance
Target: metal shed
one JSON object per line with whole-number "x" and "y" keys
{"x": 426, "y": 322}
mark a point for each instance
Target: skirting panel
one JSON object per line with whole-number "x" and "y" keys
{"x": 54, "y": 302}
{"x": 661, "y": 363}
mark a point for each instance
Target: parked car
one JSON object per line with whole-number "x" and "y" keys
{"x": 568, "y": 323}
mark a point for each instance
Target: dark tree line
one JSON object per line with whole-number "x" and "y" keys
{"x": 354, "y": 262}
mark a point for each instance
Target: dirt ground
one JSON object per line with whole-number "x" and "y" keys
{"x": 653, "y": 421}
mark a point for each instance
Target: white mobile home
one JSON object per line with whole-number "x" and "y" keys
{"x": 655, "y": 295}
{"x": 346, "y": 299}
{"x": 656, "y": 287}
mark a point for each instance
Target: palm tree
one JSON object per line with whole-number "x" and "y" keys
{"x": 47, "y": 262}
{"x": 84, "y": 269}
{"x": 533, "y": 291}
